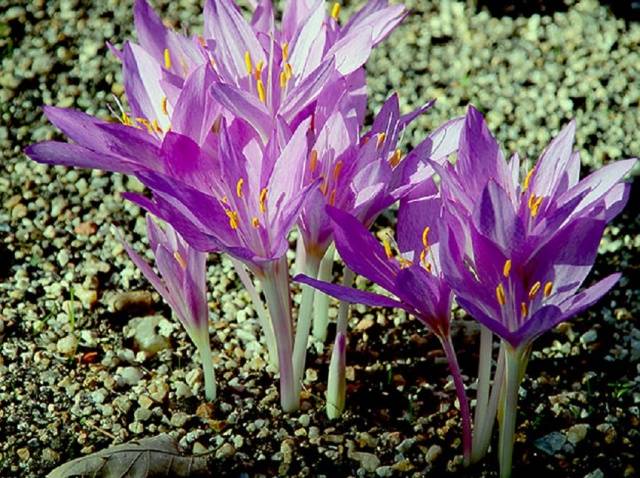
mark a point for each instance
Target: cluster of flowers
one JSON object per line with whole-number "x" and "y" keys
{"x": 257, "y": 128}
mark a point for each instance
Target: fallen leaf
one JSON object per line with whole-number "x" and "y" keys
{"x": 158, "y": 456}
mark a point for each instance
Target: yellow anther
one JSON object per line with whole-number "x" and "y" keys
{"x": 423, "y": 257}
{"x": 381, "y": 138}
{"x": 404, "y": 262}
{"x": 288, "y": 70}
{"x": 337, "y": 169}
{"x": 258, "y": 71}
{"x": 500, "y": 295}
{"x": 324, "y": 187}
{"x": 261, "y": 94}
{"x": 179, "y": 259}
{"x": 387, "y": 248}
{"x": 534, "y": 204}
{"x": 524, "y": 309}
{"x": 283, "y": 80}
{"x": 427, "y": 266}
{"x": 527, "y": 180}
{"x": 145, "y": 123}
{"x": 506, "y": 269}
{"x": 126, "y": 120}
{"x": 167, "y": 59}
{"x": 332, "y": 198}
{"x": 285, "y": 51}
{"x": 335, "y": 10}
{"x": 156, "y": 126}
{"x": 395, "y": 158}
{"x": 224, "y": 200}
{"x": 313, "y": 160}
{"x": 534, "y": 290}
{"x": 239, "y": 185}
{"x": 425, "y": 237}
{"x": 233, "y": 218}
{"x": 247, "y": 62}
{"x": 548, "y": 288}
{"x": 163, "y": 105}
{"x": 263, "y": 199}
{"x": 215, "y": 128}
{"x": 255, "y": 222}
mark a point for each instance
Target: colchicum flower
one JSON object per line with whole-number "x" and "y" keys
{"x": 517, "y": 250}
{"x": 219, "y": 126}
{"x": 182, "y": 284}
{"x": 412, "y": 272}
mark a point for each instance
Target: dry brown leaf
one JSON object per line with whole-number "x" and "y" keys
{"x": 158, "y": 456}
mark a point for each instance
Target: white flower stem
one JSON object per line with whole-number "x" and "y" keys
{"x": 275, "y": 282}
{"x": 515, "y": 361}
{"x": 321, "y": 305}
{"x": 482, "y": 397}
{"x": 204, "y": 348}
{"x": 303, "y": 325}
{"x": 336, "y": 381}
{"x": 258, "y": 305}
{"x": 485, "y": 427}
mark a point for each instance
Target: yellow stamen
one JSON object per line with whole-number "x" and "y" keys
{"x": 145, "y": 123}
{"x": 506, "y": 270}
{"x": 263, "y": 199}
{"x": 332, "y": 198}
{"x": 337, "y": 169}
{"x": 215, "y": 128}
{"x": 324, "y": 187}
{"x": 524, "y": 309}
{"x": 255, "y": 222}
{"x": 259, "y": 68}
{"x": 224, "y": 200}
{"x": 427, "y": 266}
{"x": 288, "y": 71}
{"x": 395, "y": 158}
{"x": 285, "y": 51}
{"x": 534, "y": 290}
{"x": 167, "y": 59}
{"x": 283, "y": 80}
{"x": 404, "y": 262}
{"x": 233, "y": 218}
{"x": 548, "y": 288}
{"x": 335, "y": 10}
{"x": 261, "y": 94}
{"x": 425, "y": 237}
{"x": 126, "y": 120}
{"x": 500, "y": 295}
{"x": 179, "y": 259}
{"x": 156, "y": 126}
{"x": 527, "y": 180}
{"x": 534, "y": 204}
{"x": 381, "y": 138}
{"x": 247, "y": 62}
{"x": 163, "y": 105}
{"x": 313, "y": 160}
{"x": 239, "y": 185}
{"x": 423, "y": 258}
{"x": 387, "y": 248}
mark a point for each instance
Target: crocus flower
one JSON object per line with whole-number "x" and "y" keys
{"x": 412, "y": 274}
{"x": 182, "y": 284}
{"x": 517, "y": 253}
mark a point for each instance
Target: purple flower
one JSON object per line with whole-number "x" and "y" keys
{"x": 410, "y": 270}
{"x": 518, "y": 253}
{"x": 182, "y": 284}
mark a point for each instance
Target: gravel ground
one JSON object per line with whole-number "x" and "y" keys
{"x": 80, "y": 369}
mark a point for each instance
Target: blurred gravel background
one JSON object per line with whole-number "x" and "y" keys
{"x": 80, "y": 368}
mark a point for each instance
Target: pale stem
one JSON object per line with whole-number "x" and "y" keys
{"x": 258, "y": 305}
{"x": 303, "y": 325}
{"x": 488, "y": 419}
{"x": 515, "y": 361}
{"x": 482, "y": 397}
{"x": 275, "y": 282}
{"x": 336, "y": 381}
{"x": 465, "y": 412}
{"x": 301, "y": 256}
{"x": 321, "y": 305}
{"x": 204, "y": 348}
